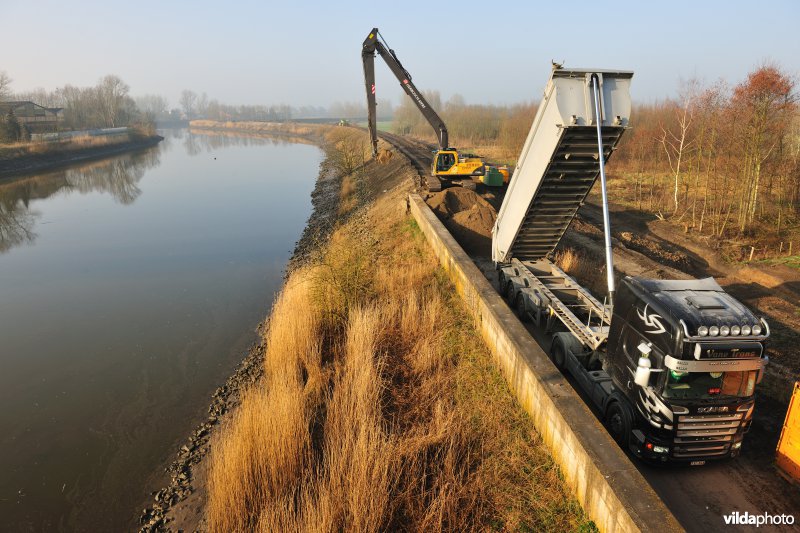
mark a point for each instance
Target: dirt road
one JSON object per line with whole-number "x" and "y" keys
{"x": 700, "y": 496}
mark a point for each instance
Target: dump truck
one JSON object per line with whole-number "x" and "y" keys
{"x": 448, "y": 164}
{"x": 671, "y": 366}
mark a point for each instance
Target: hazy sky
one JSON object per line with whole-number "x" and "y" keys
{"x": 303, "y": 53}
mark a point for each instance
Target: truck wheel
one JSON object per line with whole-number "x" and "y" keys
{"x": 501, "y": 280}
{"x": 519, "y": 307}
{"x": 558, "y": 354}
{"x": 618, "y": 423}
{"x": 509, "y": 292}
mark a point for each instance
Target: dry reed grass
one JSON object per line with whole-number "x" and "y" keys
{"x": 292, "y": 128}
{"x": 380, "y": 408}
{"x": 22, "y": 149}
{"x": 347, "y": 195}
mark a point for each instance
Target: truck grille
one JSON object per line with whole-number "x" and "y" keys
{"x": 706, "y": 435}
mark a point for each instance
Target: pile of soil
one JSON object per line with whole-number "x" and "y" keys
{"x": 467, "y": 216}
{"x": 661, "y": 253}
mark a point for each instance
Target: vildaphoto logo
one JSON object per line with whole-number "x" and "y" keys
{"x": 765, "y": 519}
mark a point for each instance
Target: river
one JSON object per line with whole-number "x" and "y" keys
{"x": 129, "y": 290}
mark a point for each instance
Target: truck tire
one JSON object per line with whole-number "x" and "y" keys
{"x": 519, "y": 308}
{"x": 509, "y": 292}
{"x": 501, "y": 281}
{"x": 558, "y": 354}
{"x": 618, "y": 422}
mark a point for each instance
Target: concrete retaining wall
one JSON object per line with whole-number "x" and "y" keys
{"x": 608, "y": 486}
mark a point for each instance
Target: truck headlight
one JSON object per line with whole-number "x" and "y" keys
{"x": 756, "y": 330}
{"x": 745, "y": 330}
{"x": 737, "y": 445}
{"x": 713, "y": 331}
{"x": 724, "y": 331}
{"x": 702, "y": 331}
{"x": 735, "y": 330}
{"x": 660, "y": 449}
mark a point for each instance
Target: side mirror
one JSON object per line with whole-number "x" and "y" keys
{"x": 642, "y": 376}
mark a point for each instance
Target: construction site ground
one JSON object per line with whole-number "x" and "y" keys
{"x": 645, "y": 246}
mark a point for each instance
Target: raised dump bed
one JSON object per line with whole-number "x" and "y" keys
{"x": 559, "y": 161}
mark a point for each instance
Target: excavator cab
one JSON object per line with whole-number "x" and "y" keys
{"x": 445, "y": 160}
{"x": 450, "y": 164}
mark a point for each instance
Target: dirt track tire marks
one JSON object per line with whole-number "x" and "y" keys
{"x": 417, "y": 152}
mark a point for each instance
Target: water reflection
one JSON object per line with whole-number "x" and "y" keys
{"x": 125, "y": 314}
{"x": 118, "y": 177}
{"x": 196, "y": 141}
{"x": 16, "y": 223}
{"x": 209, "y": 140}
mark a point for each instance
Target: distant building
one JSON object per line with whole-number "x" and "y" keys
{"x": 35, "y": 117}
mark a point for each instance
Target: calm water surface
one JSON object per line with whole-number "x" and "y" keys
{"x": 129, "y": 290}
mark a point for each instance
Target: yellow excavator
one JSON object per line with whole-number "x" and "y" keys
{"x": 448, "y": 164}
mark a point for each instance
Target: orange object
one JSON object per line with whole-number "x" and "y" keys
{"x": 504, "y": 171}
{"x": 787, "y": 456}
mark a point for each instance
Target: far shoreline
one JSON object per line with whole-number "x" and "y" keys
{"x": 26, "y": 165}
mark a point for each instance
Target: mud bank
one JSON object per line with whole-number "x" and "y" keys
{"x": 34, "y": 163}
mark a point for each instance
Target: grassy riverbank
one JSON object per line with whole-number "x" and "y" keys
{"x": 29, "y": 157}
{"x": 379, "y": 407}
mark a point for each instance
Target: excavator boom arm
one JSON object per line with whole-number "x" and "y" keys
{"x": 372, "y": 45}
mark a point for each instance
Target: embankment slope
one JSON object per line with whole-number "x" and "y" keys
{"x": 376, "y": 405}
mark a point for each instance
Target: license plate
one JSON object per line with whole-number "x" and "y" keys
{"x": 697, "y": 463}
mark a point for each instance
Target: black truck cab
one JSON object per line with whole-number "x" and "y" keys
{"x": 685, "y": 357}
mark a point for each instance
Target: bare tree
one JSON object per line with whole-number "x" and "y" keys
{"x": 674, "y": 139}
{"x": 40, "y": 96}
{"x": 347, "y": 151}
{"x": 201, "y": 107}
{"x": 765, "y": 105}
{"x": 154, "y": 105}
{"x": 188, "y": 102}
{"x": 5, "y": 85}
{"x": 111, "y": 93}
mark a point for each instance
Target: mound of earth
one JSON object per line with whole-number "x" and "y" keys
{"x": 384, "y": 156}
{"x": 467, "y": 216}
{"x": 664, "y": 254}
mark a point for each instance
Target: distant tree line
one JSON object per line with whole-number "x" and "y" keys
{"x": 107, "y": 104}
{"x": 194, "y": 106}
{"x": 198, "y": 106}
{"x": 724, "y": 161}
{"x": 475, "y": 125}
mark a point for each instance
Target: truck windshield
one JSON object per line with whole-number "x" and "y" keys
{"x": 709, "y": 385}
